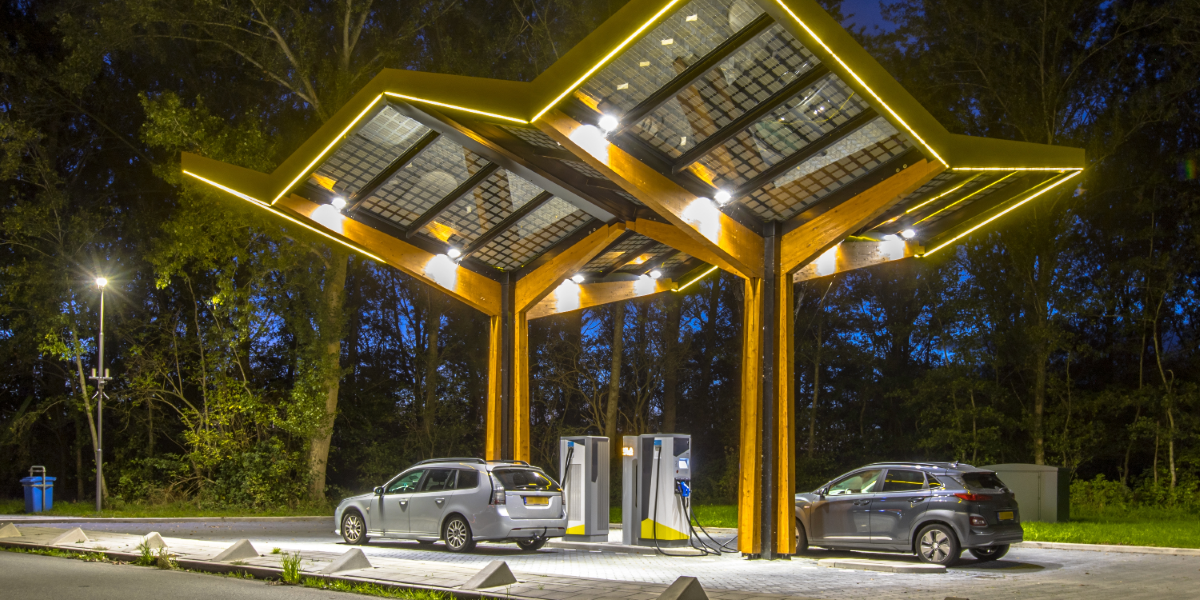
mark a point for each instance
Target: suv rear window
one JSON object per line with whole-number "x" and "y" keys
{"x": 526, "y": 480}
{"x": 982, "y": 480}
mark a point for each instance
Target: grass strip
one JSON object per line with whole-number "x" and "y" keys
{"x": 167, "y": 511}
{"x": 373, "y": 589}
{"x": 59, "y": 553}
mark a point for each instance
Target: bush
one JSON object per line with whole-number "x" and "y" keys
{"x": 1100, "y": 493}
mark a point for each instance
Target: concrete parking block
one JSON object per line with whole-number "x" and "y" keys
{"x": 153, "y": 541}
{"x": 240, "y": 550}
{"x": 8, "y": 530}
{"x": 73, "y": 537}
{"x": 495, "y": 574}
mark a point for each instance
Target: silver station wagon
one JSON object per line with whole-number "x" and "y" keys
{"x": 461, "y": 501}
{"x": 935, "y": 510}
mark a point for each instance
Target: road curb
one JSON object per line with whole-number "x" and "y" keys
{"x": 267, "y": 573}
{"x": 1110, "y": 548}
{"x": 19, "y": 519}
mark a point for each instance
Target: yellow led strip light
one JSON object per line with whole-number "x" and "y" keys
{"x": 274, "y": 211}
{"x": 698, "y": 278}
{"x": 335, "y": 141}
{"x": 965, "y": 198}
{"x": 940, "y": 196}
{"x": 456, "y": 107}
{"x": 605, "y": 60}
{"x": 1016, "y": 169}
{"x": 1004, "y": 212}
{"x": 845, "y": 66}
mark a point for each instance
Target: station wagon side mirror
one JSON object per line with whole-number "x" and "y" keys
{"x": 378, "y": 490}
{"x": 822, "y": 492}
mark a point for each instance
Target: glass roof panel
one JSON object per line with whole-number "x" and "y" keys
{"x": 368, "y": 151}
{"x": 481, "y": 209}
{"x": 747, "y": 78}
{"x": 423, "y": 182}
{"x": 678, "y": 42}
{"x": 852, "y": 157}
{"x": 608, "y": 258}
{"x": 638, "y": 261}
{"x": 533, "y": 235}
{"x": 810, "y": 114}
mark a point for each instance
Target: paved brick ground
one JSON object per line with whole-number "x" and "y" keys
{"x": 1025, "y": 573}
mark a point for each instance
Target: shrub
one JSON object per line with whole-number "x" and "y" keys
{"x": 1100, "y": 493}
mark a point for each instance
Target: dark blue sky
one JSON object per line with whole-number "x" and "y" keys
{"x": 866, "y": 12}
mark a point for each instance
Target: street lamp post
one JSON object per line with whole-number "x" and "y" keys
{"x": 100, "y": 376}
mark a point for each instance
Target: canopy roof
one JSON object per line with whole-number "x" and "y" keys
{"x": 768, "y": 103}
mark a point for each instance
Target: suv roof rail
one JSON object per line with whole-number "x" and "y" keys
{"x": 508, "y": 462}
{"x": 469, "y": 459}
{"x": 910, "y": 463}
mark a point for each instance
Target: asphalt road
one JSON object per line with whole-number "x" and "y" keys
{"x": 32, "y": 576}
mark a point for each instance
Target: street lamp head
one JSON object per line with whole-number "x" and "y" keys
{"x": 101, "y": 282}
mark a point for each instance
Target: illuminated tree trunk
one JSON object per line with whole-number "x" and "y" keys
{"x": 614, "y": 377}
{"x": 330, "y": 330}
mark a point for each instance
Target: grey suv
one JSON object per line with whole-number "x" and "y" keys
{"x": 460, "y": 500}
{"x": 935, "y": 510}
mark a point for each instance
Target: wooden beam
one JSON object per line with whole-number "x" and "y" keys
{"x": 386, "y": 174}
{"x": 695, "y": 71}
{"x": 733, "y": 246}
{"x": 671, "y": 235}
{"x": 750, "y": 450}
{"x": 492, "y": 446}
{"x": 535, "y": 286}
{"x": 569, "y": 297}
{"x": 749, "y": 117}
{"x": 474, "y": 289}
{"x": 848, "y": 256}
{"x": 463, "y": 189}
{"x": 812, "y": 239}
{"x": 512, "y": 219}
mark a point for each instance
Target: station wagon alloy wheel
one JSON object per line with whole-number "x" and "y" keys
{"x": 458, "y": 535}
{"x": 990, "y": 553}
{"x": 937, "y": 544}
{"x": 353, "y": 529}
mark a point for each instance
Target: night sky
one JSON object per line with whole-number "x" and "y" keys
{"x": 866, "y": 12}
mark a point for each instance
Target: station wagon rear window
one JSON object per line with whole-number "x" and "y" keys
{"x": 982, "y": 480}
{"x": 525, "y": 480}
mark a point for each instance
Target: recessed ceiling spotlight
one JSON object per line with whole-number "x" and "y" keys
{"x": 908, "y": 234}
{"x": 655, "y": 274}
{"x": 723, "y": 197}
{"x": 338, "y": 202}
{"x": 577, "y": 278}
{"x": 454, "y": 253}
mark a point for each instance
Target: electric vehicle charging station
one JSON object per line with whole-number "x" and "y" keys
{"x": 656, "y": 491}
{"x": 583, "y": 471}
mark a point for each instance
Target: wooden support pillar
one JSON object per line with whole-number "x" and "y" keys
{"x": 750, "y": 456}
{"x": 495, "y": 419}
{"x": 520, "y": 396}
{"x": 766, "y": 515}
{"x": 508, "y": 289}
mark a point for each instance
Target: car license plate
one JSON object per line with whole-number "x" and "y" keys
{"x": 1006, "y": 515}
{"x": 546, "y": 500}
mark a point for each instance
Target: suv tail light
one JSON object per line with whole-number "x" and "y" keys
{"x": 977, "y": 521}
{"x": 974, "y": 497}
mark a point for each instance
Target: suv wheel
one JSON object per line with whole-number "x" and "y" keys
{"x": 458, "y": 535}
{"x": 531, "y": 544}
{"x": 354, "y": 529}
{"x": 991, "y": 553}
{"x": 801, "y": 538}
{"x": 936, "y": 544}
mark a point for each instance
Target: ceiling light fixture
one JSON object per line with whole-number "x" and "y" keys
{"x": 655, "y": 274}
{"x": 723, "y": 197}
{"x": 338, "y": 202}
{"x": 609, "y": 123}
{"x": 577, "y": 278}
{"x": 908, "y": 234}
{"x": 454, "y": 253}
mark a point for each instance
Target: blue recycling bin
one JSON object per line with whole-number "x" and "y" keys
{"x": 33, "y": 493}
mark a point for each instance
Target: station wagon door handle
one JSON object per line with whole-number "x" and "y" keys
{"x": 404, "y": 504}
{"x": 440, "y": 501}
{"x": 916, "y": 500}
{"x": 861, "y": 502}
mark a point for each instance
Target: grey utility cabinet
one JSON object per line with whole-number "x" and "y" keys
{"x": 1043, "y": 492}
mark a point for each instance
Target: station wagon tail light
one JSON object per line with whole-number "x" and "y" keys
{"x": 497, "y": 491}
{"x": 974, "y": 497}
